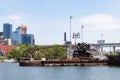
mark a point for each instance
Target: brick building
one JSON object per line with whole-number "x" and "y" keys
{"x": 6, "y": 48}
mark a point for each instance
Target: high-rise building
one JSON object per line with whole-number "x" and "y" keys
{"x": 28, "y": 39}
{"x": 16, "y": 36}
{"x": 1, "y": 35}
{"x": 23, "y": 28}
{"x": 7, "y": 30}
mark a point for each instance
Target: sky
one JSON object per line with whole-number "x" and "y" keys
{"x": 49, "y": 19}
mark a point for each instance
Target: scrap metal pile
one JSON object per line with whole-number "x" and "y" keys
{"x": 82, "y": 50}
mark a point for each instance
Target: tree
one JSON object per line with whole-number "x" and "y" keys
{"x": 59, "y": 52}
{"x": 14, "y": 53}
{"x": 37, "y": 52}
{"x": 56, "y": 52}
{"x": 24, "y": 47}
{"x": 39, "y": 56}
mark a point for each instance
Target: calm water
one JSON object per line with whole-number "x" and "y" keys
{"x": 12, "y": 71}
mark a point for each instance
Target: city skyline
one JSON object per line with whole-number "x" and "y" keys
{"x": 19, "y": 36}
{"x": 49, "y": 19}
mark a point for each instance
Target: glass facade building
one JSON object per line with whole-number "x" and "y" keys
{"x": 28, "y": 39}
{"x": 16, "y": 37}
{"x": 7, "y": 30}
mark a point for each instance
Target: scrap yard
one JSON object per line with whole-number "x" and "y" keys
{"x": 81, "y": 56}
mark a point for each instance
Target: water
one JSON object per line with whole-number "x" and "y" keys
{"x": 12, "y": 71}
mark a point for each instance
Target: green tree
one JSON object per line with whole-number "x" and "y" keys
{"x": 37, "y": 52}
{"x": 24, "y": 47}
{"x": 39, "y": 56}
{"x": 56, "y": 52}
{"x": 14, "y": 53}
{"x": 2, "y": 58}
{"x": 59, "y": 52}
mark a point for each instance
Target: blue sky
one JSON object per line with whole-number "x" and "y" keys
{"x": 49, "y": 19}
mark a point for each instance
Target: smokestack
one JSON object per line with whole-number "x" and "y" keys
{"x": 65, "y": 36}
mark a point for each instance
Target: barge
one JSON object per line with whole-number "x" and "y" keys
{"x": 69, "y": 62}
{"x": 114, "y": 60}
{"x": 81, "y": 56}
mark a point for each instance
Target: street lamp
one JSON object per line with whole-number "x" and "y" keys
{"x": 70, "y": 28}
{"x": 69, "y": 50}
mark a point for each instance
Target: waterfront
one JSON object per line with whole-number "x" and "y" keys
{"x": 12, "y": 71}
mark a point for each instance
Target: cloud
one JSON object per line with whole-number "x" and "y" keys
{"x": 101, "y": 22}
{"x": 11, "y": 17}
{"x": 16, "y": 20}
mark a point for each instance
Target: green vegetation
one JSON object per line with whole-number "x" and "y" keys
{"x": 15, "y": 54}
{"x": 113, "y": 54}
{"x": 38, "y": 52}
{"x": 55, "y": 52}
{"x": 2, "y": 58}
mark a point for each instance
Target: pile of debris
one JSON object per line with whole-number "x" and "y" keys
{"x": 82, "y": 50}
